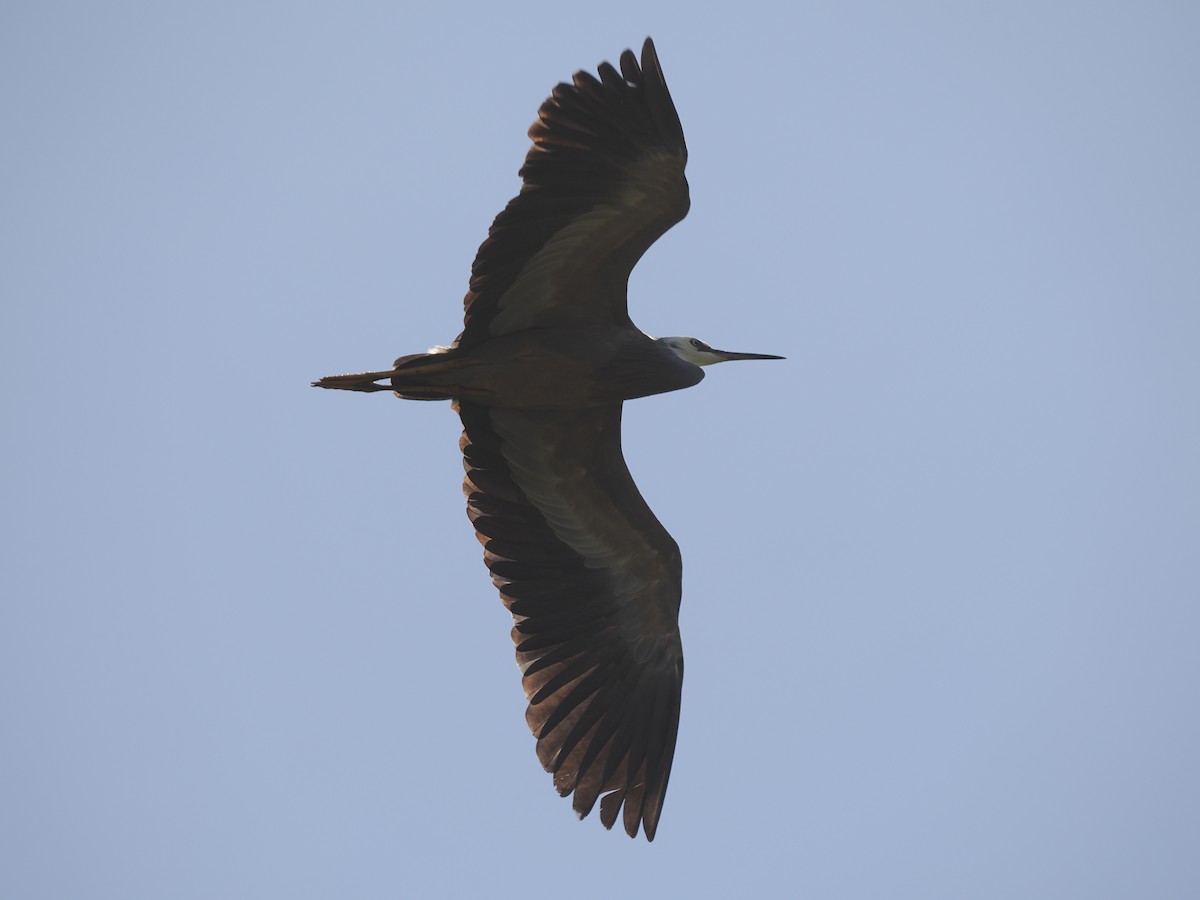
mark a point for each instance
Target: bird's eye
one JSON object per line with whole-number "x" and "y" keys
{"x": 699, "y": 344}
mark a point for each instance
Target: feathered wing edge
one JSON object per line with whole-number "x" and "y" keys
{"x": 593, "y": 139}
{"x": 604, "y": 706}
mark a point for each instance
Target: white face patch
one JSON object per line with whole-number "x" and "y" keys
{"x": 692, "y": 350}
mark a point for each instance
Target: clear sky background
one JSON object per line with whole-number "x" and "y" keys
{"x": 942, "y": 567}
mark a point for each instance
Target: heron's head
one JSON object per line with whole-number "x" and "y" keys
{"x": 699, "y": 353}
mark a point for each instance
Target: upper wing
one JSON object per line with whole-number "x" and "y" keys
{"x": 593, "y": 582}
{"x": 603, "y": 179}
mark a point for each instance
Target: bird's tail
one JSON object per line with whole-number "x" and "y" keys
{"x": 421, "y": 376}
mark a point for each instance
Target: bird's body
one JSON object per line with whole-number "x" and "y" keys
{"x": 547, "y": 356}
{"x": 590, "y": 367}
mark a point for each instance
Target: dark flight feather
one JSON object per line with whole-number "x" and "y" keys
{"x": 602, "y": 181}
{"x": 595, "y": 602}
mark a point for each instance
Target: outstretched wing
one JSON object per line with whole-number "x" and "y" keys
{"x": 593, "y": 582}
{"x": 602, "y": 181}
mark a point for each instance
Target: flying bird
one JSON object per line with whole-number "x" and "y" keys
{"x": 546, "y": 358}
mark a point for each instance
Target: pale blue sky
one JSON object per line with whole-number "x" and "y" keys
{"x": 942, "y": 591}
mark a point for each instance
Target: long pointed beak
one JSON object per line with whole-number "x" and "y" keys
{"x": 729, "y": 355}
